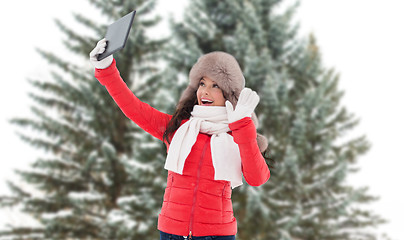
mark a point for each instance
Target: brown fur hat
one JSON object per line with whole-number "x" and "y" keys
{"x": 224, "y": 69}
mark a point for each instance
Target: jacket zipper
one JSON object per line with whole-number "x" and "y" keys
{"x": 196, "y": 188}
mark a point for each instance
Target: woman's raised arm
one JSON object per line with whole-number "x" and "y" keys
{"x": 145, "y": 116}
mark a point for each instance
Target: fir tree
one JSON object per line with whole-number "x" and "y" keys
{"x": 307, "y": 196}
{"x": 100, "y": 179}
{"x": 105, "y": 177}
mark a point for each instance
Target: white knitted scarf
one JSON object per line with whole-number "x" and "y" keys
{"x": 226, "y": 158}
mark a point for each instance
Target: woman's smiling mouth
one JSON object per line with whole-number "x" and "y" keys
{"x": 206, "y": 102}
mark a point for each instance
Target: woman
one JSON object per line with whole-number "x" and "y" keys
{"x": 211, "y": 141}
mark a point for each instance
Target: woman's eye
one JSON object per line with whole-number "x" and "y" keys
{"x": 216, "y": 86}
{"x": 201, "y": 84}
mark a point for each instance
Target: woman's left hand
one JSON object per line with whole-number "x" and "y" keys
{"x": 246, "y": 104}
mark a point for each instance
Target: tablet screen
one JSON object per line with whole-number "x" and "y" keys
{"x": 117, "y": 34}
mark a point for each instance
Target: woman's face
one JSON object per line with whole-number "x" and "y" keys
{"x": 209, "y": 93}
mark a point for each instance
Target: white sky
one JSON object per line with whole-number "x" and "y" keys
{"x": 361, "y": 39}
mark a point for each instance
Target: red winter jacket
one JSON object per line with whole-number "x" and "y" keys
{"x": 194, "y": 203}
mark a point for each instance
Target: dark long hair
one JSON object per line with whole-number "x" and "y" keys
{"x": 183, "y": 111}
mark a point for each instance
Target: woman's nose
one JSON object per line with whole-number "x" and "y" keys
{"x": 205, "y": 92}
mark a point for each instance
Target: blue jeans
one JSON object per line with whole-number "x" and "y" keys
{"x": 167, "y": 236}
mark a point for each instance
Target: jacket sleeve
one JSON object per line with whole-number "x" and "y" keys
{"x": 254, "y": 167}
{"x": 146, "y": 117}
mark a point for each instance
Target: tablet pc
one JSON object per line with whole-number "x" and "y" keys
{"x": 117, "y": 34}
